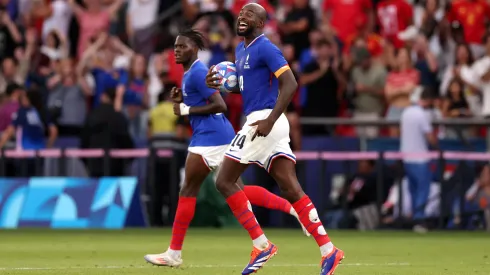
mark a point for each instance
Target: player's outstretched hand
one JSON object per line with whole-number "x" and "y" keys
{"x": 211, "y": 79}
{"x": 176, "y": 95}
{"x": 264, "y": 127}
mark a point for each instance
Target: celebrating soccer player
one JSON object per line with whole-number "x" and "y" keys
{"x": 212, "y": 133}
{"x": 263, "y": 72}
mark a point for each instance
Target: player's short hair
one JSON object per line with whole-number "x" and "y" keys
{"x": 195, "y": 36}
{"x": 11, "y": 88}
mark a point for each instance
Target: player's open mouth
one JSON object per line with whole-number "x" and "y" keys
{"x": 242, "y": 26}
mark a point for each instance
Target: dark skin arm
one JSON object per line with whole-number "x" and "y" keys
{"x": 287, "y": 87}
{"x": 216, "y": 105}
{"x": 213, "y": 79}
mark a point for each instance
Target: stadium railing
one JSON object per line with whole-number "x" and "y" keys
{"x": 318, "y": 188}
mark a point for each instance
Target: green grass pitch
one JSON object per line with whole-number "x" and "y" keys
{"x": 220, "y": 252}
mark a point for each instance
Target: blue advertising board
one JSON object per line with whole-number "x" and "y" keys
{"x": 68, "y": 202}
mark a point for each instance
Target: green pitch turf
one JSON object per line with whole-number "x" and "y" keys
{"x": 220, "y": 252}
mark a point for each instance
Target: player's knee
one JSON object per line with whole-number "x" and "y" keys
{"x": 292, "y": 192}
{"x": 189, "y": 190}
{"x": 290, "y": 188}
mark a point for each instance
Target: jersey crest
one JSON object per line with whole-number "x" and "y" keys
{"x": 246, "y": 66}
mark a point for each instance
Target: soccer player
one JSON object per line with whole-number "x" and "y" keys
{"x": 212, "y": 133}
{"x": 264, "y": 139}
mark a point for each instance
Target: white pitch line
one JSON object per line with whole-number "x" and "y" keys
{"x": 192, "y": 266}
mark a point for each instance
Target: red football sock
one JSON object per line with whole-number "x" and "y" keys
{"x": 309, "y": 218}
{"x": 185, "y": 212}
{"x": 260, "y": 196}
{"x": 240, "y": 206}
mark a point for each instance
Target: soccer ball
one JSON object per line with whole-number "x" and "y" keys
{"x": 227, "y": 71}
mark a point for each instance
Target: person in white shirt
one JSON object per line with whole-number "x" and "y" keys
{"x": 478, "y": 75}
{"x": 416, "y": 135}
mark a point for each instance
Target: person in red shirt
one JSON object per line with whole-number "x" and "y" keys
{"x": 393, "y": 17}
{"x": 472, "y": 15}
{"x": 372, "y": 41}
{"x": 343, "y": 16}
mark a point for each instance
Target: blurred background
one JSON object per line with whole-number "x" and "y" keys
{"x": 96, "y": 74}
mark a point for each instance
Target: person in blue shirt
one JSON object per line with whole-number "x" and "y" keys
{"x": 32, "y": 126}
{"x": 264, "y": 139}
{"x": 212, "y": 133}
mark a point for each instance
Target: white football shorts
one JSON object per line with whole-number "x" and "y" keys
{"x": 262, "y": 150}
{"x": 212, "y": 156}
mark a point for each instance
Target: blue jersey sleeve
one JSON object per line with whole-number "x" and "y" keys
{"x": 273, "y": 58}
{"x": 18, "y": 118}
{"x": 123, "y": 78}
{"x": 199, "y": 80}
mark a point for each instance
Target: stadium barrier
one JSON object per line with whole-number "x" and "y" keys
{"x": 318, "y": 186}
{"x": 107, "y": 203}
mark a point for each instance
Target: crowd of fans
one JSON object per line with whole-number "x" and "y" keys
{"x": 353, "y": 58}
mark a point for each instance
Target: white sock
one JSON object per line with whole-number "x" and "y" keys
{"x": 177, "y": 254}
{"x": 293, "y": 212}
{"x": 326, "y": 249}
{"x": 261, "y": 242}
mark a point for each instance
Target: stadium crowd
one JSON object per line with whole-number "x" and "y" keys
{"x": 361, "y": 58}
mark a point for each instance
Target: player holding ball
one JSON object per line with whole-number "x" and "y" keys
{"x": 263, "y": 72}
{"x": 212, "y": 133}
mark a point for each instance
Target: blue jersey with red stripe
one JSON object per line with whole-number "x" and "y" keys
{"x": 207, "y": 130}
{"x": 258, "y": 67}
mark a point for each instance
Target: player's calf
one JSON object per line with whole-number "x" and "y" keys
{"x": 284, "y": 173}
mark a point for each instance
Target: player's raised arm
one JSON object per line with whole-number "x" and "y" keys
{"x": 287, "y": 82}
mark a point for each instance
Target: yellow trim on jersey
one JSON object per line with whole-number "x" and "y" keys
{"x": 281, "y": 70}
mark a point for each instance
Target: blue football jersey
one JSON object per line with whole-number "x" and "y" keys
{"x": 30, "y": 129}
{"x": 207, "y": 130}
{"x": 258, "y": 67}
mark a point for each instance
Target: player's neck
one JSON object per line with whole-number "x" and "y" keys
{"x": 249, "y": 39}
{"x": 188, "y": 65}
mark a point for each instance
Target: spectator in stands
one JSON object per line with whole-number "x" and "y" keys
{"x": 361, "y": 195}
{"x": 33, "y": 120}
{"x": 11, "y": 104}
{"x": 369, "y": 79}
{"x": 324, "y": 85}
{"x": 132, "y": 93}
{"x": 67, "y": 100}
{"x": 344, "y": 17}
{"x": 400, "y": 84}
{"x": 363, "y": 38}
{"x": 416, "y": 136}
{"x": 427, "y": 16}
{"x": 93, "y": 20}
{"x": 99, "y": 59}
{"x": 162, "y": 120}
{"x": 462, "y": 57}
{"x": 10, "y": 33}
{"x": 56, "y": 14}
{"x": 106, "y": 128}
{"x": 299, "y": 21}
{"x": 394, "y": 16}
{"x": 15, "y": 68}
{"x": 472, "y": 15}
{"x": 478, "y": 76}
{"x": 425, "y": 63}
{"x": 455, "y": 104}
{"x": 140, "y": 19}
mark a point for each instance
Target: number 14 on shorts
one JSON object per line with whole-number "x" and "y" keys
{"x": 238, "y": 141}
